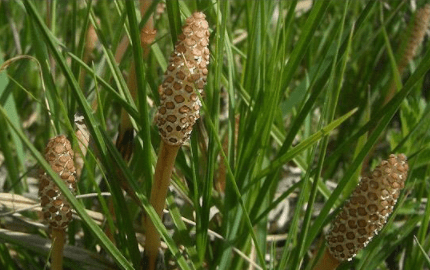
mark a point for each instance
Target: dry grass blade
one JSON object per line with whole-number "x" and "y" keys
{"x": 17, "y": 203}
{"x": 78, "y": 256}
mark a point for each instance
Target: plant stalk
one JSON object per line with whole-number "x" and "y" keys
{"x": 326, "y": 262}
{"x": 58, "y": 237}
{"x": 163, "y": 172}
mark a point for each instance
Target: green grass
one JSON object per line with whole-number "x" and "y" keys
{"x": 307, "y": 88}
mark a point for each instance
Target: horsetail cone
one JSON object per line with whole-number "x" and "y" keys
{"x": 368, "y": 208}
{"x": 185, "y": 74}
{"x": 418, "y": 31}
{"x": 56, "y": 209}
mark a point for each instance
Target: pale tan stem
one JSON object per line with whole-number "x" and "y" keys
{"x": 144, "y": 6}
{"x": 132, "y": 82}
{"x": 124, "y": 142}
{"x": 121, "y": 49}
{"x": 326, "y": 262}
{"x": 163, "y": 172}
{"x": 147, "y": 36}
{"x": 90, "y": 44}
{"x": 416, "y": 36}
{"x": 58, "y": 237}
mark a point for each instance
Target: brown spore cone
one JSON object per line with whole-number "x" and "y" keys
{"x": 57, "y": 211}
{"x": 368, "y": 208}
{"x": 185, "y": 75}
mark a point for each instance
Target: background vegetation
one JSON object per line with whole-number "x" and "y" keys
{"x": 296, "y": 106}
